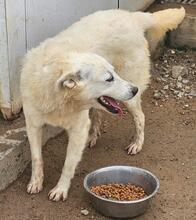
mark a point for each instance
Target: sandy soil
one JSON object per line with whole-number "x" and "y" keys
{"x": 169, "y": 152}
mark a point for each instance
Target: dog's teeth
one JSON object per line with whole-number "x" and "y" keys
{"x": 105, "y": 101}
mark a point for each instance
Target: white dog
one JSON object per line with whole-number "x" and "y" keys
{"x": 69, "y": 74}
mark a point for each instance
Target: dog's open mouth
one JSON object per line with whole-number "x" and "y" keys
{"x": 111, "y": 105}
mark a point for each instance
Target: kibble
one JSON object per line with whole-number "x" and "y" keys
{"x": 120, "y": 192}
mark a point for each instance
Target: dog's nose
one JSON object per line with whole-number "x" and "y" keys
{"x": 134, "y": 90}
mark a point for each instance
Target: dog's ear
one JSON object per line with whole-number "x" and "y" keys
{"x": 69, "y": 81}
{"x": 67, "y": 77}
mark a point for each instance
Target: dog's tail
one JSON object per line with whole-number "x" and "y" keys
{"x": 165, "y": 20}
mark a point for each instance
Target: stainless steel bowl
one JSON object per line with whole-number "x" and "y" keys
{"x": 121, "y": 174}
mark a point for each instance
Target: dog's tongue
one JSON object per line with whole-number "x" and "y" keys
{"x": 114, "y": 104}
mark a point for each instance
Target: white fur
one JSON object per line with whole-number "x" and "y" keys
{"x": 62, "y": 78}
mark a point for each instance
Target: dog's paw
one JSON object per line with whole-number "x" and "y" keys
{"x": 133, "y": 148}
{"x": 92, "y": 140}
{"x": 58, "y": 193}
{"x": 35, "y": 186}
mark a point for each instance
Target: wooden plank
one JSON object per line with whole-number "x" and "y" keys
{"x": 135, "y": 5}
{"x": 47, "y": 18}
{"x": 4, "y": 67}
{"x": 15, "y": 15}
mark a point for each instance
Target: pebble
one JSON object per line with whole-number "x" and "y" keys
{"x": 163, "y": 79}
{"x": 178, "y": 71}
{"x": 180, "y": 94}
{"x": 158, "y": 79}
{"x": 179, "y": 78}
{"x": 185, "y": 81}
{"x": 175, "y": 92}
{"x": 186, "y": 122}
{"x": 179, "y": 85}
{"x": 157, "y": 95}
{"x": 192, "y": 93}
{"x": 166, "y": 87}
{"x": 172, "y": 85}
{"x": 187, "y": 88}
{"x": 84, "y": 212}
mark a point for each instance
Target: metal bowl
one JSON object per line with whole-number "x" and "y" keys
{"x": 121, "y": 174}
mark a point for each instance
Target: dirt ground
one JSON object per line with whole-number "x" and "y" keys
{"x": 169, "y": 152}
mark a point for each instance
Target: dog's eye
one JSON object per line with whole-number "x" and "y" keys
{"x": 110, "y": 79}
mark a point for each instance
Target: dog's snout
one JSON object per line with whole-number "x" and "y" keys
{"x": 134, "y": 90}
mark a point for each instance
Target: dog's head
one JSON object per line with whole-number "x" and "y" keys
{"x": 93, "y": 82}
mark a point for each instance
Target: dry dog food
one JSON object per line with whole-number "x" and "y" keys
{"x": 120, "y": 192}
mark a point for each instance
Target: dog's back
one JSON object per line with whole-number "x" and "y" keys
{"x": 117, "y": 35}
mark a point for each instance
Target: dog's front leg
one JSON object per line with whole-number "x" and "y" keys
{"x": 34, "y": 133}
{"x": 78, "y": 134}
{"x": 134, "y": 107}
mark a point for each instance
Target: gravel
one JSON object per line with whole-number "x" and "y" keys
{"x": 175, "y": 74}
